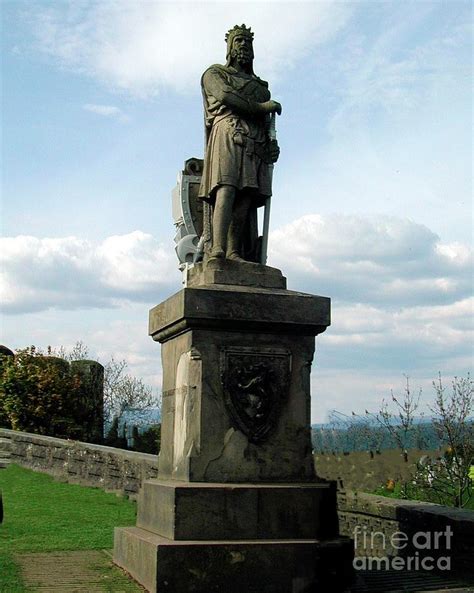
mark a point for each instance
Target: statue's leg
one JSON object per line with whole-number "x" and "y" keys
{"x": 225, "y": 197}
{"x": 236, "y": 228}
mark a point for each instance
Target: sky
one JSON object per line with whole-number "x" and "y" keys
{"x": 372, "y": 194}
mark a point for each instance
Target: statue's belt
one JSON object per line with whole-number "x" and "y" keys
{"x": 260, "y": 148}
{"x": 241, "y": 136}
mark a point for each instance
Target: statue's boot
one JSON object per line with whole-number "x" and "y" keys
{"x": 216, "y": 253}
{"x": 235, "y": 256}
{"x": 233, "y": 243}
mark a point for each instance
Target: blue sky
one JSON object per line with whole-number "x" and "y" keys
{"x": 372, "y": 193}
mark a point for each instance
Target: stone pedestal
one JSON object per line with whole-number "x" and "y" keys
{"x": 237, "y": 506}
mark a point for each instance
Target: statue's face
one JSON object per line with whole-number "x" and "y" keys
{"x": 242, "y": 49}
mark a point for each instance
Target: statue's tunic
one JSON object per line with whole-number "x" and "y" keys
{"x": 237, "y": 144}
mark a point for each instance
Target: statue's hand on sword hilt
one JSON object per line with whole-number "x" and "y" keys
{"x": 273, "y": 148}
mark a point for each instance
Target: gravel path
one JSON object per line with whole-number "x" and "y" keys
{"x": 90, "y": 571}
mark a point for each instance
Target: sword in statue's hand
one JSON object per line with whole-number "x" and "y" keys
{"x": 266, "y": 215}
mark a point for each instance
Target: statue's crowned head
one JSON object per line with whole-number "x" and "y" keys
{"x": 239, "y": 44}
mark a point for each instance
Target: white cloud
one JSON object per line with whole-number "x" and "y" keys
{"x": 107, "y": 288}
{"x": 107, "y": 111}
{"x": 142, "y": 47}
{"x": 443, "y": 328}
{"x": 382, "y": 260}
{"x": 71, "y": 273}
{"x": 367, "y": 350}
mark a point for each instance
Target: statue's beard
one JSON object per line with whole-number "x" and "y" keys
{"x": 242, "y": 56}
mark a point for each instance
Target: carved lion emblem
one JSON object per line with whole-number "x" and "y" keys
{"x": 255, "y": 383}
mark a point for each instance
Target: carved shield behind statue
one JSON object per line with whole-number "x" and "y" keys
{"x": 256, "y": 383}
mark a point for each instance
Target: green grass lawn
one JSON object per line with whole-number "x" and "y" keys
{"x": 43, "y": 515}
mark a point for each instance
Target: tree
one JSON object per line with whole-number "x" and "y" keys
{"x": 78, "y": 352}
{"x": 57, "y": 393}
{"x": 449, "y": 480}
{"x": 38, "y": 393}
{"x": 446, "y": 479}
{"x": 123, "y": 392}
{"x": 400, "y": 423}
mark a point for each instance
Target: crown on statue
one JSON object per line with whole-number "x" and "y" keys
{"x": 238, "y": 30}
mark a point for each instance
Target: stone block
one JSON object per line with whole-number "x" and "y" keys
{"x": 237, "y": 506}
{"x": 240, "y": 308}
{"x": 229, "y": 272}
{"x": 236, "y": 383}
{"x": 203, "y": 437}
{"x": 271, "y": 566}
{"x": 203, "y": 511}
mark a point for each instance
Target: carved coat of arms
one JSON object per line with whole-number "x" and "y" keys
{"x": 256, "y": 383}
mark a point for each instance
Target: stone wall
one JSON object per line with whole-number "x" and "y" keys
{"x": 83, "y": 463}
{"x": 373, "y": 520}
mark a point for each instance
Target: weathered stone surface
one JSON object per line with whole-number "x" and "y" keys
{"x": 376, "y": 513}
{"x": 231, "y": 272}
{"x": 240, "y": 308}
{"x": 270, "y": 566}
{"x": 200, "y": 439}
{"x": 5, "y": 452}
{"x": 236, "y": 383}
{"x": 4, "y": 351}
{"x": 202, "y": 511}
{"x": 91, "y": 373}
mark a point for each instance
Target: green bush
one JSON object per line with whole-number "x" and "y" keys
{"x": 39, "y": 394}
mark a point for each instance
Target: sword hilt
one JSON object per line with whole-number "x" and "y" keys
{"x": 272, "y": 134}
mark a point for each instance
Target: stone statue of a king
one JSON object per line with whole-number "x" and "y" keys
{"x": 240, "y": 151}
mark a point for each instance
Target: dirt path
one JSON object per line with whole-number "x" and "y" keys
{"x": 93, "y": 572}
{"x": 90, "y": 571}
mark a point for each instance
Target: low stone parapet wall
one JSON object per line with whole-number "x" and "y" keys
{"x": 83, "y": 463}
{"x": 388, "y": 527}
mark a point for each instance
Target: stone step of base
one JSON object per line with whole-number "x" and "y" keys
{"x": 5, "y": 443}
{"x": 4, "y": 463}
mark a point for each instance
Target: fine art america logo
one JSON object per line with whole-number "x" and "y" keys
{"x": 422, "y": 550}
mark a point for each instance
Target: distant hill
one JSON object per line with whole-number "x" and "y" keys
{"x": 369, "y": 435}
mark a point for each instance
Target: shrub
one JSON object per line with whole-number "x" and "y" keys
{"x": 39, "y": 394}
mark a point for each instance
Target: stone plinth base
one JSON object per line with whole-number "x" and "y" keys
{"x": 247, "y": 566}
{"x": 237, "y": 507}
{"x": 236, "y": 383}
{"x": 204, "y": 537}
{"x": 228, "y": 272}
{"x": 206, "y": 511}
